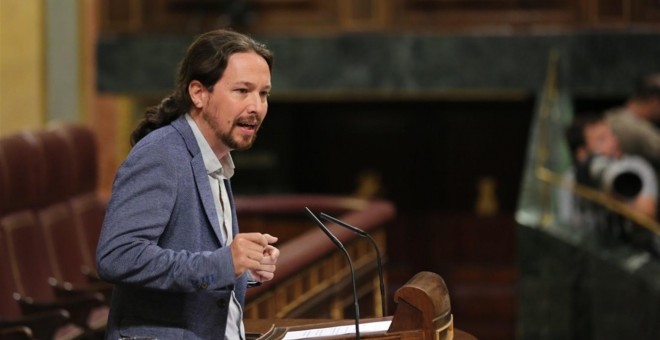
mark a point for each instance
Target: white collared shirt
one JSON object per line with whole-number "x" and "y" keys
{"x": 219, "y": 170}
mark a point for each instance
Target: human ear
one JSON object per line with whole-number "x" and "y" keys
{"x": 198, "y": 93}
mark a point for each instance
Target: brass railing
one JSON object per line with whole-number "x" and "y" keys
{"x": 599, "y": 197}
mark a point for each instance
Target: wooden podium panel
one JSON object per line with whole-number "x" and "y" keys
{"x": 423, "y": 312}
{"x": 258, "y": 328}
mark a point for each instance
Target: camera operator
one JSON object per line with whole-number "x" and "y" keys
{"x": 636, "y": 122}
{"x": 600, "y": 164}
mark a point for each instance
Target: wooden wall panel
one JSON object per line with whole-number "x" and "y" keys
{"x": 119, "y": 16}
{"x": 305, "y": 17}
{"x": 646, "y": 11}
{"x": 181, "y": 16}
{"x": 482, "y": 15}
{"x": 622, "y": 13}
{"x": 295, "y": 16}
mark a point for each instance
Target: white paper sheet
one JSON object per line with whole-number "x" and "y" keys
{"x": 369, "y": 327}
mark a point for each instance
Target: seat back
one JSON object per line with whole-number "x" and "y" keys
{"x": 82, "y": 142}
{"x": 88, "y": 212}
{"x": 23, "y": 256}
{"x": 67, "y": 254}
{"x": 40, "y": 173}
{"x": 27, "y": 254}
{"x": 58, "y": 163}
{"x": 9, "y": 309}
{"x": 21, "y": 173}
{"x": 88, "y": 208}
{"x": 64, "y": 244}
{"x": 4, "y": 181}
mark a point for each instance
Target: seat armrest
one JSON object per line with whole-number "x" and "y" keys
{"x": 90, "y": 274}
{"x": 42, "y": 324}
{"x": 67, "y": 289}
{"x": 79, "y": 307}
{"x": 16, "y": 333}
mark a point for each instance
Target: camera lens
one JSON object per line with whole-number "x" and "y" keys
{"x": 627, "y": 184}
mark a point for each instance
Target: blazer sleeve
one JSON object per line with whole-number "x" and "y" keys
{"x": 141, "y": 207}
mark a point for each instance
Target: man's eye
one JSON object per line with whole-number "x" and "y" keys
{"x": 242, "y": 90}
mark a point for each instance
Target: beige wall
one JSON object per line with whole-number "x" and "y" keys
{"x": 63, "y": 60}
{"x": 22, "y": 64}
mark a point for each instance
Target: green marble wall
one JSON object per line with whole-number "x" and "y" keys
{"x": 598, "y": 63}
{"x": 586, "y": 289}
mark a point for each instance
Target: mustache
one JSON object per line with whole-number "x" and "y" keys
{"x": 250, "y": 120}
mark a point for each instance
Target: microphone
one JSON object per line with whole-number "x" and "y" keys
{"x": 339, "y": 245}
{"x": 373, "y": 242}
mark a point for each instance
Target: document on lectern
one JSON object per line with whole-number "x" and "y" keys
{"x": 369, "y": 327}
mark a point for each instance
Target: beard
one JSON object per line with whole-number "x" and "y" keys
{"x": 239, "y": 143}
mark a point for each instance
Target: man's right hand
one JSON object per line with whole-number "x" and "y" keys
{"x": 247, "y": 251}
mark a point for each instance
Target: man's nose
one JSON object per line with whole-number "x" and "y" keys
{"x": 258, "y": 104}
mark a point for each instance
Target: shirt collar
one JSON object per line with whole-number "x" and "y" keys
{"x": 215, "y": 167}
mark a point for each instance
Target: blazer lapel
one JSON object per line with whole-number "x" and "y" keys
{"x": 201, "y": 177}
{"x": 206, "y": 194}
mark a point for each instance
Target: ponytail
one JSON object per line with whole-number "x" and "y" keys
{"x": 157, "y": 116}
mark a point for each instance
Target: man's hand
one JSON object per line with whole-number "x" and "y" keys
{"x": 266, "y": 270}
{"x": 252, "y": 251}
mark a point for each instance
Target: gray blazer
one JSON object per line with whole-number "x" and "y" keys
{"x": 161, "y": 243}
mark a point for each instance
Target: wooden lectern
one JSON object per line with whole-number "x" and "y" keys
{"x": 423, "y": 312}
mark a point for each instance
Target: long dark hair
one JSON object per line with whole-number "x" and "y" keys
{"x": 205, "y": 61}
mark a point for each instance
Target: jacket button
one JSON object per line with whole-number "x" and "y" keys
{"x": 222, "y": 303}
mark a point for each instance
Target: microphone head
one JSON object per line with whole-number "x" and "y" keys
{"x": 310, "y": 213}
{"x": 325, "y": 229}
{"x": 343, "y": 224}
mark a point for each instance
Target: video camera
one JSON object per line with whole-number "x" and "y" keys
{"x": 621, "y": 177}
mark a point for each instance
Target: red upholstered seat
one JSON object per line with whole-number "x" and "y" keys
{"x": 8, "y": 307}
{"x": 28, "y": 256}
{"x": 87, "y": 207}
{"x": 88, "y": 211}
{"x": 20, "y": 174}
{"x": 82, "y": 142}
{"x": 47, "y": 324}
{"x": 4, "y": 181}
{"x": 47, "y": 176}
{"x": 57, "y": 158}
{"x": 68, "y": 255}
{"x": 72, "y": 216}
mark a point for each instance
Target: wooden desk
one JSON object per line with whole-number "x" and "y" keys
{"x": 256, "y": 327}
{"x": 423, "y": 313}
